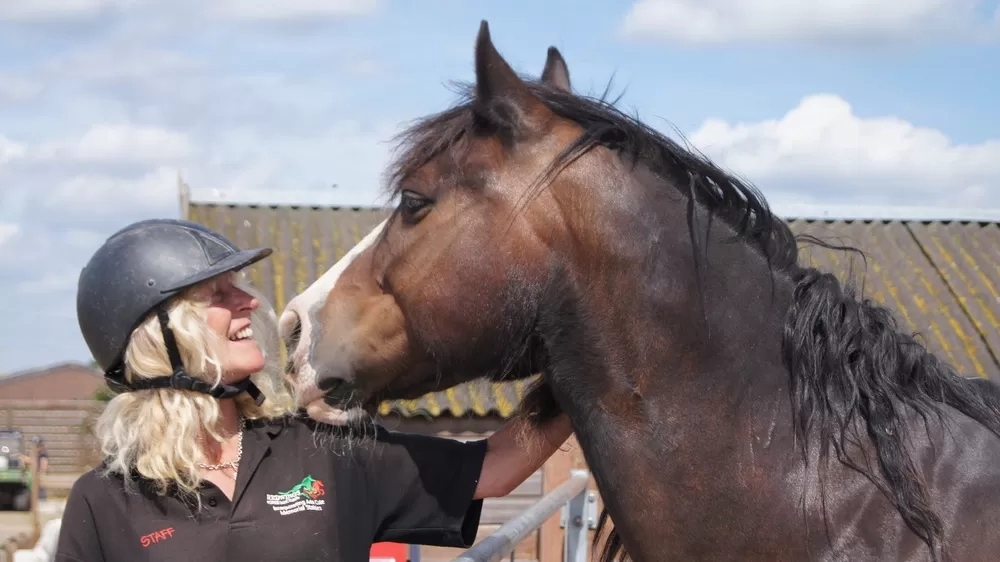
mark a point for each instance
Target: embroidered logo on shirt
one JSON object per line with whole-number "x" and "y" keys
{"x": 156, "y": 536}
{"x": 304, "y": 496}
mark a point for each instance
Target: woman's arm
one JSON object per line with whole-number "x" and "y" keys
{"x": 429, "y": 490}
{"x": 515, "y": 452}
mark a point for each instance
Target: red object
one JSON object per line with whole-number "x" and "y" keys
{"x": 389, "y": 552}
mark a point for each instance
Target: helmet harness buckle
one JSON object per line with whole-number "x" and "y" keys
{"x": 180, "y": 379}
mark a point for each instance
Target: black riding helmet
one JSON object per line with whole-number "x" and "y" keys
{"x": 133, "y": 274}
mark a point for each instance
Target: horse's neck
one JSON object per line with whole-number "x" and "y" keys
{"x": 631, "y": 312}
{"x": 659, "y": 387}
{"x": 635, "y": 361}
{"x": 652, "y": 429}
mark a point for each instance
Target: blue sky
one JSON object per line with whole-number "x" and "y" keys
{"x": 104, "y": 102}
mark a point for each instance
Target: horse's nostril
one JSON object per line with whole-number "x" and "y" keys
{"x": 336, "y": 392}
{"x": 330, "y": 385}
{"x": 292, "y": 335}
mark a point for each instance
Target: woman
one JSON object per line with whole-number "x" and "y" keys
{"x": 208, "y": 457}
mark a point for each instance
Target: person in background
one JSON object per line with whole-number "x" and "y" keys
{"x": 42, "y": 454}
{"x": 43, "y": 466}
{"x": 207, "y": 456}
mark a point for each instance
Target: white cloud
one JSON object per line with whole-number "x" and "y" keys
{"x": 90, "y": 194}
{"x": 16, "y": 89}
{"x": 268, "y": 10}
{"x": 708, "y": 22}
{"x": 106, "y": 174}
{"x": 115, "y": 173}
{"x": 86, "y": 241}
{"x": 114, "y": 62}
{"x": 43, "y": 248}
{"x": 821, "y": 147}
{"x": 47, "y": 10}
{"x": 52, "y": 282}
{"x": 8, "y": 231}
{"x": 348, "y": 155}
{"x": 9, "y": 151}
{"x": 120, "y": 142}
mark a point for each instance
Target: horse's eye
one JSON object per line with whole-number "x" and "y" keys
{"x": 413, "y": 206}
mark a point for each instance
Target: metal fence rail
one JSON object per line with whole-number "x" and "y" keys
{"x": 579, "y": 513}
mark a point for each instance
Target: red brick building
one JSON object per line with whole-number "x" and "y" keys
{"x": 64, "y": 381}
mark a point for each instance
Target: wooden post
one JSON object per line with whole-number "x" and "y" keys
{"x": 554, "y": 473}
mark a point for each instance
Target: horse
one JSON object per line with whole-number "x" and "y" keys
{"x": 731, "y": 402}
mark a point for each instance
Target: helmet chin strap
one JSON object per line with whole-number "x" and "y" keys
{"x": 180, "y": 379}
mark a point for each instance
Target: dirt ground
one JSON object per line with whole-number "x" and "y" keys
{"x": 13, "y": 523}
{"x": 16, "y": 522}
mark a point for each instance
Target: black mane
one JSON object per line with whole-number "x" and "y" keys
{"x": 725, "y": 197}
{"x": 855, "y": 378}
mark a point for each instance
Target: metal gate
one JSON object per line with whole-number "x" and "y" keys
{"x": 579, "y": 513}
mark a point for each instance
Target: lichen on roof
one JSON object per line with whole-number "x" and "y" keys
{"x": 942, "y": 278}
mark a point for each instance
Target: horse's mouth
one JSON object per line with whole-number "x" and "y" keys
{"x": 370, "y": 406}
{"x": 342, "y": 403}
{"x": 340, "y": 393}
{"x": 338, "y": 402}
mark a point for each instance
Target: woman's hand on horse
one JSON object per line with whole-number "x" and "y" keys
{"x": 517, "y": 451}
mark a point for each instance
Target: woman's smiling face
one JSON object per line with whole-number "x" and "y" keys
{"x": 228, "y": 315}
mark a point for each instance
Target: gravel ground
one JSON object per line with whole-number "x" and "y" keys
{"x": 15, "y": 522}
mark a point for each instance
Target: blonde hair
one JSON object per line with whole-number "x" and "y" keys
{"x": 159, "y": 432}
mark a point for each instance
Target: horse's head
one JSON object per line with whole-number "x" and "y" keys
{"x": 444, "y": 290}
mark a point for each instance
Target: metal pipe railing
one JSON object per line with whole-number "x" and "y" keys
{"x": 570, "y": 495}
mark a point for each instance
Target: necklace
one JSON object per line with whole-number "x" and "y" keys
{"x": 235, "y": 464}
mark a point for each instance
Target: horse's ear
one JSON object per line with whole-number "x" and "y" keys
{"x": 556, "y": 72}
{"x": 501, "y": 96}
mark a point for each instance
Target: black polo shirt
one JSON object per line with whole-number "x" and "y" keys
{"x": 304, "y": 492}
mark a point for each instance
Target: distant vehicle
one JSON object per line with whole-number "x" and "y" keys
{"x": 15, "y": 477}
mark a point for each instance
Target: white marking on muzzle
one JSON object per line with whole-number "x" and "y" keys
{"x": 308, "y": 304}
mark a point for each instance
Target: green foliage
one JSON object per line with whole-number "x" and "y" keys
{"x": 104, "y": 394}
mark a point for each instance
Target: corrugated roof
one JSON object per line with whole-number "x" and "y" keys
{"x": 910, "y": 267}
{"x": 942, "y": 277}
